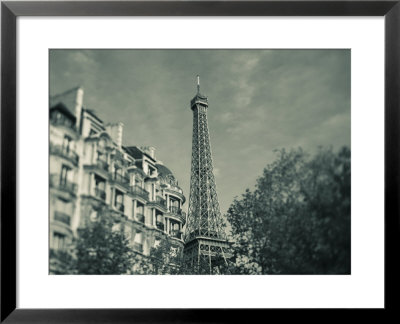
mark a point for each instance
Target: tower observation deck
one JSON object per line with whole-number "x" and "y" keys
{"x": 206, "y": 247}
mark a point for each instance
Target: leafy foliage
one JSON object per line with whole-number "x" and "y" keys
{"x": 62, "y": 262}
{"x": 100, "y": 250}
{"x": 297, "y": 220}
{"x": 164, "y": 259}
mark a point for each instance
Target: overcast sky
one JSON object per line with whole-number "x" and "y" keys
{"x": 259, "y": 101}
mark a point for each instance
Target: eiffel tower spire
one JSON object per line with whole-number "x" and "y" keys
{"x": 206, "y": 244}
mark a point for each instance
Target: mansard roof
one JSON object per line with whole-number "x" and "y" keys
{"x": 137, "y": 153}
{"x": 63, "y": 109}
{"x": 163, "y": 170}
{"x": 67, "y": 98}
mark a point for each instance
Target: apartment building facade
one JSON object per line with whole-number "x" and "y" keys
{"x": 92, "y": 175}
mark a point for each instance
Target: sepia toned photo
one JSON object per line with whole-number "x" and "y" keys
{"x": 199, "y": 161}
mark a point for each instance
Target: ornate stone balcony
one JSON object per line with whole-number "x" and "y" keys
{"x": 62, "y": 184}
{"x": 120, "y": 179}
{"x": 178, "y": 212}
{"x": 138, "y": 191}
{"x": 62, "y": 217}
{"x": 177, "y": 234}
{"x": 161, "y": 201}
{"x": 68, "y": 154}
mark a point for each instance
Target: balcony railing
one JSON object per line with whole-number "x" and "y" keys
{"x": 63, "y": 218}
{"x": 160, "y": 225}
{"x": 62, "y": 184}
{"x": 140, "y": 217}
{"x": 140, "y": 192}
{"x": 100, "y": 193}
{"x": 161, "y": 201}
{"x": 176, "y": 234}
{"x": 120, "y": 207}
{"x": 179, "y": 212}
{"x": 138, "y": 247}
{"x": 101, "y": 164}
{"x": 64, "y": 152}
{"x": 121, "y": 179}
{"x": 175, "y": 210}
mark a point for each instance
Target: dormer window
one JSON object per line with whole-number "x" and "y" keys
{"x": 101, "y": 146}
{"x": 59, "y": 118}
{"x": 151, "y": 171}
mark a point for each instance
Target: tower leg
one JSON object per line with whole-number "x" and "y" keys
{"x": 209, "y": 258}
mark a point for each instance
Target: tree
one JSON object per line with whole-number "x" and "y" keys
{"x": 62, "y": 262}
{"x": 297, "y": 220}
{"x": 167, "y": 258}
{"x": 100, "y": 250}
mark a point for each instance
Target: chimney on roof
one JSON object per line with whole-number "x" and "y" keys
{"x": 78, "y": 106}
{"x": 115, "y": 131}
{"x": 150, "y": 150}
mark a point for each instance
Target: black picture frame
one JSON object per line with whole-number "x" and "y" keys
{"x": 11, "y": 10}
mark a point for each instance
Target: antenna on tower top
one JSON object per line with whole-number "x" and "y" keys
{"x": 198, "y": 84}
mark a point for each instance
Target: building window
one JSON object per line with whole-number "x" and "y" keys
{"x": 101, "y": 151}
{"x": 151, "y": 171}
{"x": 175, "y": 230}
{"x": 58, "y": 118}
{"x": 66, "y": 146}
{"x": 58, "y": 241}
{"x": 119, "y": 200}
{"x": 117, "y": 171}
{"x": 160, "y": 221}
{"x": 174, "y": 206}
{"x": 100, "y": 187}
{"x": 140, "y": 212}
{"x": 127, "y": 232}
{"x": 138, "y": 242}
{"x": 102, "y": 145}
{"x": 119, "y": 175}
{"x": 65, "y": 170}
{"x": 101, "y": 156}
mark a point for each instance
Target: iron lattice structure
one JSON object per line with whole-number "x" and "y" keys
{"x": 206, "y": 245}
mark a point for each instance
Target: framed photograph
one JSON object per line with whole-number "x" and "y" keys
{"x": 184, "y": 161}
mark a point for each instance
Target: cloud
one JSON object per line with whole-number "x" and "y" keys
{"x": 259, "y": 100}
{"x": 81, "y": 58}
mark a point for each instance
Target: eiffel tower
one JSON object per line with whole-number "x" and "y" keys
{"x": 206, "y": 247}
